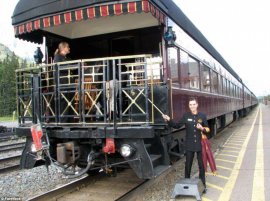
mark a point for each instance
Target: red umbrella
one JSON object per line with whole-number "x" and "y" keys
{"x": 208, "y": 155}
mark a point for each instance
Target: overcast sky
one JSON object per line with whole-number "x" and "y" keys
{"x": 238, "y": 29}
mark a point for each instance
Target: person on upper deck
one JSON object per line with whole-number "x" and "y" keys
{"x": 61, "y": 52}
{"x": 196, "y": 124}
{"x": 60, "y": 55}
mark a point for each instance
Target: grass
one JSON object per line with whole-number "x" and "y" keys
{"x": 7, "y": 119}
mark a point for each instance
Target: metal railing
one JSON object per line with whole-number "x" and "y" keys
{"x": 111, "y": 90}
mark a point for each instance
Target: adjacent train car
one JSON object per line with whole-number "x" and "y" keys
{"x": 132, "y": 61}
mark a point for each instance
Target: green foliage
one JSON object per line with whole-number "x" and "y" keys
{"x": 7, "y": 118}
{"x": 8, "y": 84}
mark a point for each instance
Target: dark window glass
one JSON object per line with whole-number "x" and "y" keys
{"x": 173, "y": 63}
{"x": 193, "y": 72}
{"x": 220, "y": 84}
{"x": 184, "y": 69}
{"x": 205, "y": 78}
{"x": 228, "y": 88}
{"x": 224, "y": 86}
{"x": 214, "y": 82}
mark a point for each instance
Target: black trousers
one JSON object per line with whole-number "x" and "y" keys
{"x": 188, "y": 165}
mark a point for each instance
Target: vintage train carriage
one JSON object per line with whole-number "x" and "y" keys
{"x": 131, "y": 62}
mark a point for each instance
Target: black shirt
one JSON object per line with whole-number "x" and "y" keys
{"x": 59, "y": 58}
{"x": 193, "y": 135}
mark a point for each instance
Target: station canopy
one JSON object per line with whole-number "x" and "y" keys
{"x": 33, "y": 19}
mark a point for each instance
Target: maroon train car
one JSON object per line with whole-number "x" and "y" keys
{"x": 131, "y": 61}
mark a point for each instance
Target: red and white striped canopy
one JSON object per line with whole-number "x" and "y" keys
{"x": 86, "y": 13}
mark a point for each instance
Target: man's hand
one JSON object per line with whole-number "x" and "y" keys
{"x": 166, "y": 117}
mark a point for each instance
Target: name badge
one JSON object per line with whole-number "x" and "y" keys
{"x": 190, "y": 119}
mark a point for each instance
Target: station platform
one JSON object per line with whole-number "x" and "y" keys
{"x": 243, "y": 162}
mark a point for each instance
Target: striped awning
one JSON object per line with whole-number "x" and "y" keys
{"x": 88, "y": 13}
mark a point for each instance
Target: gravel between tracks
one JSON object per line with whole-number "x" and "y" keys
{"x": 25, "y": 184}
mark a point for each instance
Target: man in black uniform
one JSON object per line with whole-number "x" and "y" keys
{"x": 195, "y": 123}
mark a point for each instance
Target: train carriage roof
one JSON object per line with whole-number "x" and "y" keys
{"x": 174, "y": 12}
{"x": 29, "y": 10}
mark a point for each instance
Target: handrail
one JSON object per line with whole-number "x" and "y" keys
{"x": 82, "y": 90}
{"x": 85, "y": 60}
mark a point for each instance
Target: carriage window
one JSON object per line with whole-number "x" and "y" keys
{"x": 214, "y": 82}
{"x": 220, "y": 84}
{"x": 184, "y": 69}
{"x": 224, "y": 86}
{"x": 233, "y": 90}
{"x": 193, "y": 72}
{"x": 173, "y": 63}
{"x": 228, "y": 88}
{"x": 205, "y": 78}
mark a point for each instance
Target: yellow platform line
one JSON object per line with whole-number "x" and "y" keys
{"x": 230, "y": 151}
{"x": 206, "y": 199}
{"x": 228, "y": 161}
{"x": 233, "y": 143}
{"x": 239, "y": 137}
{"x": 242, "y": 135}
{"x": 230, "y": 147}
{"x": 228, "y": 139}
{"x": 214, "y": 186}
{"x": 258, "y": 178}
{"x": 228, "y": 155}
{"x": 218, "y": 175}
{"x": 223, "y": 167}
{"x": 226, "y": 194}
{"x": 237, "y": 141}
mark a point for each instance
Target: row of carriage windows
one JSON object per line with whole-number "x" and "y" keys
{"x": 190, "y": 73}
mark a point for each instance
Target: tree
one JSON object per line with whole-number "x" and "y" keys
{"x": 8, "y": 84}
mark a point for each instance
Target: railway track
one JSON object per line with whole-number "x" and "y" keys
{"x": 125, "y": 186}
{"x": 9, "y": 163}
{"x": 101, "y": 187}
{"x": 6, "y": 136}
{"x": 12, "y": 147}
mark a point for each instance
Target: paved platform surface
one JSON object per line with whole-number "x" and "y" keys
{"x": 243, "y": 162}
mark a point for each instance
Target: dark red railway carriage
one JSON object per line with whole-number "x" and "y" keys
{"x": 131, "y": 61}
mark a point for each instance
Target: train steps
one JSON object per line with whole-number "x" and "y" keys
{"x": 157, "y": 161}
